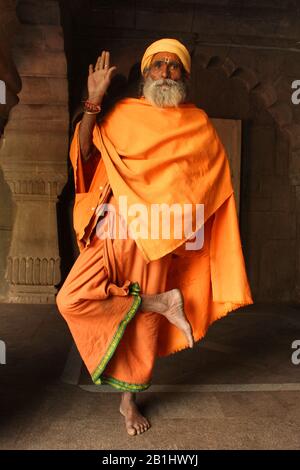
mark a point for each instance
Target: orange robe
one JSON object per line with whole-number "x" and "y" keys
{"x": 150, "y": 155}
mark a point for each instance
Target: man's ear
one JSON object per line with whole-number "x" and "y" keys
{"x": 145, "y": 73}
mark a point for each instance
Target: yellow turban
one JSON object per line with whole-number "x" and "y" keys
{"x": 167, "y": 45}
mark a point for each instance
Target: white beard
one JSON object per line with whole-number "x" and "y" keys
{"x": 164, "y": 92}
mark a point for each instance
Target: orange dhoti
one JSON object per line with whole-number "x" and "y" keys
{"x": 179, "y": 159}
{"x": 100, "y": 301}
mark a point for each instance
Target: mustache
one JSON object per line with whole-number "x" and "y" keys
{"x": 164, "y": 81}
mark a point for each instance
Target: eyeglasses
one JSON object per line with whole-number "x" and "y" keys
{"x": 172, "y": 65}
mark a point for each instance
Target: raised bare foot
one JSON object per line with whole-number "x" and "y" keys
{"x": 134, "y": 421}
{"x": 175, "y": 314}
{"x": 170, "y": 305}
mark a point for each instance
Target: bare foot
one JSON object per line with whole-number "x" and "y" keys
{"x": 175, "y": 314}
{"x": 170, "y": 305}
{"x": 134, "y": 421}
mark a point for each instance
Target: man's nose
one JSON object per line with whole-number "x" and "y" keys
{"x": 165, "y": 70}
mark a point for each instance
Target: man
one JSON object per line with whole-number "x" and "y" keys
{"x": 123, "y": 299}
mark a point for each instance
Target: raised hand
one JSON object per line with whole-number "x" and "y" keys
{"x": 99, "y": 78}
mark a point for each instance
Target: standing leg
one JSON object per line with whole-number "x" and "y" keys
{"x": 152, "y": 280}
{"x": 135, "y": 422}
{"x": 169, "y": 304}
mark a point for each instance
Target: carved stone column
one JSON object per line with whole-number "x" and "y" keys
{"x": 34, "y": 153}
{"x": 11, "y": 85}
{"x": 33, "y": 264}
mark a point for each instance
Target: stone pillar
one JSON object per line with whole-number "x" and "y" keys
{"x": 9, "y": 77}
{"x": 34, "y": 153}
{"x": 11, "y": 85}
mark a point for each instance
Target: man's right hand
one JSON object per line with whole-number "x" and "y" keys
{"x": 99, "y": 78}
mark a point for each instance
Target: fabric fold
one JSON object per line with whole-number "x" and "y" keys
{"x": 179, "y": 160}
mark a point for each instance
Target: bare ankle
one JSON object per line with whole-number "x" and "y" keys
{"x": 128, "y": 397}
{"x": 153, "y": 303}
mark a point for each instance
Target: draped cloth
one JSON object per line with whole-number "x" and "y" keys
{"x": 170, "y": 45}
{"x": 150, "y": 155}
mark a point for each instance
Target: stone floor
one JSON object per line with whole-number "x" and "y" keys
{"x": 237, "y": 389}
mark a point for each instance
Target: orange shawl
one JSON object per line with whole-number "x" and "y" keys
{"x": 166, "y": 155}
{"x": 163, "y": 156}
